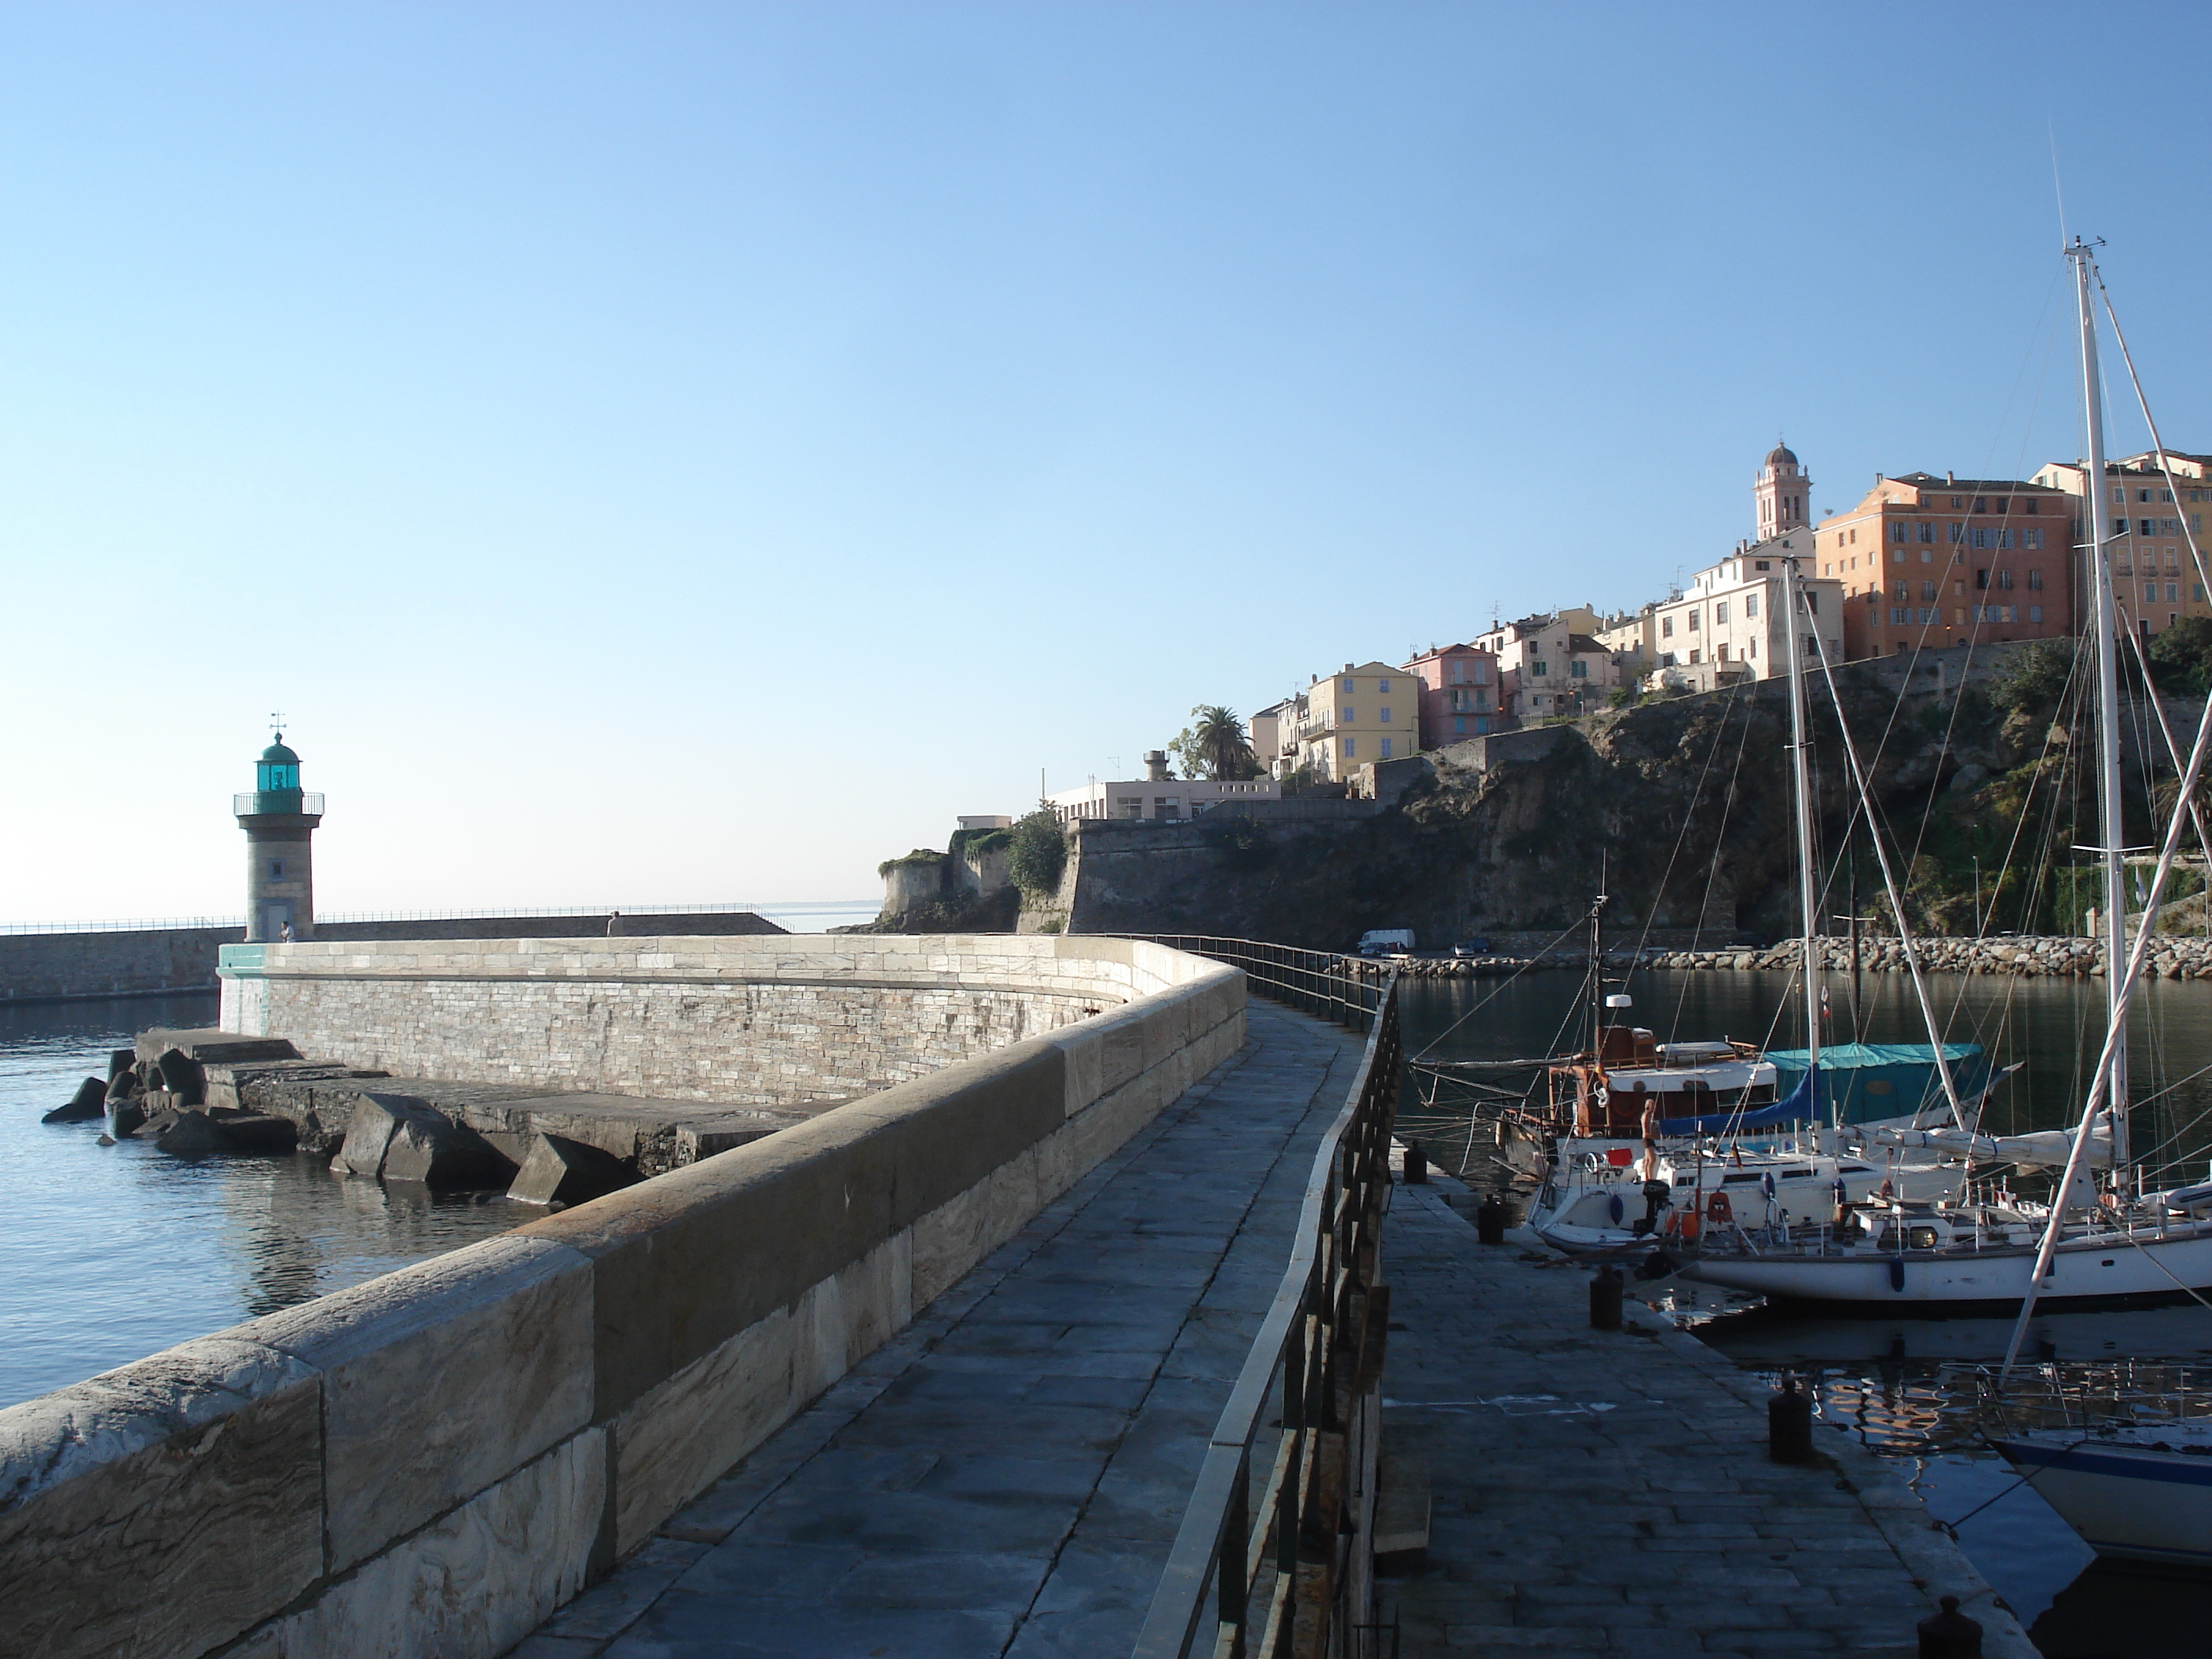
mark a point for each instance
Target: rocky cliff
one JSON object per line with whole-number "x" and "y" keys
{"x": 1679, "y": 809}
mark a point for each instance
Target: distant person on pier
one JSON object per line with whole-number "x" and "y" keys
{"x": 614, "y": 923}
{"x": 284, "y": 933}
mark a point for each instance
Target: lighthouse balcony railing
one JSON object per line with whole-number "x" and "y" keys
{"x": 260, "y": 802}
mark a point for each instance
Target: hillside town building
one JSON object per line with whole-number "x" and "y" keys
{"x": 1459, "y": 693}
{"x": 1730, "y": 625}
{"x": 1368, "y": 711}
{"x": 2154, "y": 579}
{"x": 1927, "y": 563}
{"x": 1550, "y": 666}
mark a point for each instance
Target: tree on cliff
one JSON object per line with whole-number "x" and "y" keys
{"x": 1215, "y": 747}
{"x": 1037, "y": 855}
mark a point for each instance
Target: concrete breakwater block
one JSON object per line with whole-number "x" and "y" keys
{"x": 401, "y": 1139}
{"x": 90, "y": 1101}
{"x": 556, "y": 1169}
{"x": 200, "y": 1133}
{"x": 181, "y": 1075}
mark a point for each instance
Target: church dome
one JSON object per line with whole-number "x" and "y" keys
{"x": 1780, "y": 455}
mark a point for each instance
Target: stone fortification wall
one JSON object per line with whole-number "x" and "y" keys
{"x": 739, "y": 1020}
{"x": 110, "y": 962}
{"x": 160, "y": 961}
{"x": 2062, "y": 955}
{"x": 434, "y": 1461}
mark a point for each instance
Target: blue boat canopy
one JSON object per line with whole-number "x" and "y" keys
{"x": 1868, "y": 1080}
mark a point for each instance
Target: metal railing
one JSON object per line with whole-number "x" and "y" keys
{"x": 1322, "y": 983}
{"x": 1272, "y": 1558}
{"x": 255, "y": 803}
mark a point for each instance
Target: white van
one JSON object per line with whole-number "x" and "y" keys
{"x": 1385, "y": 941}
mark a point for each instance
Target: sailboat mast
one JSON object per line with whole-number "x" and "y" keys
{"x": 2110, "y": 824}
{"x": 1801, "y": 771}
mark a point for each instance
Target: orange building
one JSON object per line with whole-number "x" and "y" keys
{"x": 1927, "y": 561}
{"x": 2155, "y": 583}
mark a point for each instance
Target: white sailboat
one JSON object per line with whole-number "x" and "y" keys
{"x": 2098, "y": 1243}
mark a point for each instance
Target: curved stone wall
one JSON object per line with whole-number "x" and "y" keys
{"x": 430, "y": 1463}
{"x": 749, "y": 1021}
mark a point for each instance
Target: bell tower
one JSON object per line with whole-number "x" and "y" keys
{"x": 1783, "y": 493}
{"x": 279, "y": 820}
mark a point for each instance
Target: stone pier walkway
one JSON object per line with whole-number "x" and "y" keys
{"x": 1610, "y": 1491}
{"x": 1006, "y": 1476}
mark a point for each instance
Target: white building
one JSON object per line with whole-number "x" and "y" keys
{"x": 1161, "y": 799}
{"x": 1551, "y": 664}
{"x": 1729, "y": 626}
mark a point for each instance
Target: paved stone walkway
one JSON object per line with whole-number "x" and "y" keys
{"x": 1598, "y": 1491}
{"x": 1006, "y": 1477}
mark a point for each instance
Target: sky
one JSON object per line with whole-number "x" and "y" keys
{"x": 657, "y": 453}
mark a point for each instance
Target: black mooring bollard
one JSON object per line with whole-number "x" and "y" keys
{"x": 1605, "y": 1300}
{"x": 1417, "y": 1166}
{"x": 1490, "y": 1220}
{"x": 1789, "y": 1424}
{"x": 1949, "y": 1634}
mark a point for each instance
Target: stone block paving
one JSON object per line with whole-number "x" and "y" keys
{"x": 1004, "y": 1477}
{"x": 1610, "y": 1491}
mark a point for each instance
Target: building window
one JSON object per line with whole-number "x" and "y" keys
{"x": 1348, "y": 717}
{"x": 1455, "y": 678}
{"x": 1751, "y": 650}
{"x": 276, "y": 869}
{"x": 1981, "y": 579}
{"x": 1693, "y": 621}
{"x": 1579, "y": 669}
{"x": 2035, "y": 613}
{"x": 1382, "y": 685}
{"x": 1720, "y": 612}
{"x": 1812, "y": 602}
{"x": 1541, "y": 671}
{"x": 1349, "y": 745}
{"x": 1927, "y": 531}
{"x": 1666, "y": 628}
{"x": 1459, "y": 726}
{"x": 1720, "y": 653}
{"x": 1693, "y": 659}
{"x": 2030, "y": 539}
{"x": 2004, "y": 579}
{"x": 2119, "y": 527}
{"x": 1750, "y": 606}
{"x": 2150, "y": 593}
{"x": 1898, "y": 531}
{"x": 2196, "y": 592}
{"x": 1761, "y": 564}
{"x": 1386, "y": 713}
{"x": 1926, "y": 556}
{"x": 1347, "y": 688}
{"x": 2173, "y": 592}
{"x": 2119, "y": 495}
{"x": 1897, "y": 615}
{"x": 1385, "y": 748}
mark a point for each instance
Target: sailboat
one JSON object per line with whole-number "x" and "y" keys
{"x": 2099, "y": 1242}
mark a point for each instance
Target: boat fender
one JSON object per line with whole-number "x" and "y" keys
{"x": 1615, "y": 1207}
{"x": 1896, "y": 1272}
{"x": 1689, "y": 1227}
{"x": 1718, "y": 1210}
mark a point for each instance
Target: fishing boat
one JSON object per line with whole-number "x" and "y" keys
{"x": 2098, "y": 1241}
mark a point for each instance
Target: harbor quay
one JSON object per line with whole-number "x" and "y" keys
{"x": 950, "y": 1366}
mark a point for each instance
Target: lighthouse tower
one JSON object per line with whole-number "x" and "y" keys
{"x": 279, "y": 821}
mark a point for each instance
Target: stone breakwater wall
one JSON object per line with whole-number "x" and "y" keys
{"x": 431, "y": 1463}
{"x": 2056, "y": 956}
{"x": 789, "y": 1020}
{"x": 145, "y": 961}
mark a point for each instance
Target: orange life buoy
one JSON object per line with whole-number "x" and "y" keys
{"x": 1718, "y": 1210}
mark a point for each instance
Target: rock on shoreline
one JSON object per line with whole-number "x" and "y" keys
{"x": 2060, "y": 957}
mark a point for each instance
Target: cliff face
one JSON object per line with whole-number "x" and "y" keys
{"x": 1679, "y": 810}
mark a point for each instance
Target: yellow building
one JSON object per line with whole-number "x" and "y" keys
{"x": 2153, "y": 576}
{"x": 1368, "y": 711}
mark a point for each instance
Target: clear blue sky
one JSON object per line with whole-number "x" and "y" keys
{"x": 657, "y": 452}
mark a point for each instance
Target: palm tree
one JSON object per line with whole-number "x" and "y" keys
{"x": 1216, "y": 745}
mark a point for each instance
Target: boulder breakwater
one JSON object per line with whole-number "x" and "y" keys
{"x": 2054, "y": 955}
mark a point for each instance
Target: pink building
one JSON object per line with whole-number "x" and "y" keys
{"x": 1459, "y": 694}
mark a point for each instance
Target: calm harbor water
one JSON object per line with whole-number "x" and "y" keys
{"x": 1910, "y": 1388}
{"x": 113, "y": 1253}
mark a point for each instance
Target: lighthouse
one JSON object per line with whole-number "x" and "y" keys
{"x": 279, "y": 820}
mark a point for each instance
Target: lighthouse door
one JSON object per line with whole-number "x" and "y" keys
{"x": 275, "y": 919}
